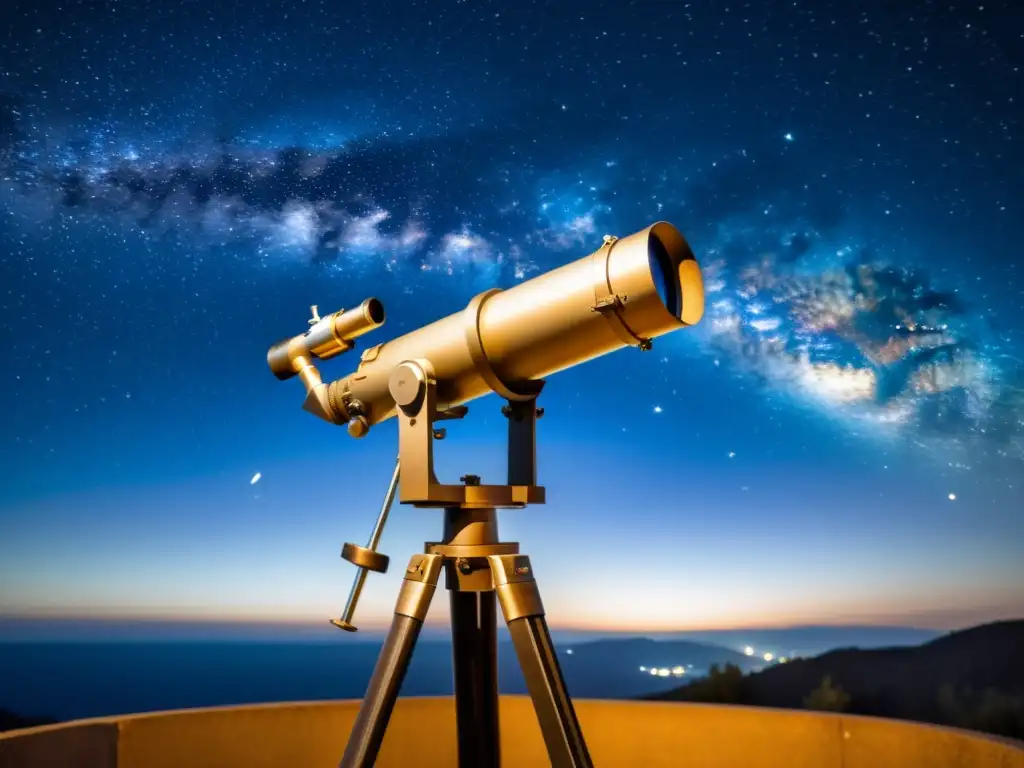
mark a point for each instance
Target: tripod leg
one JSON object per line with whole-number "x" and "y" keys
{"x": 475, "y": 648}
{"x": 393, "y": 662}
{"x": 520, "y": 602}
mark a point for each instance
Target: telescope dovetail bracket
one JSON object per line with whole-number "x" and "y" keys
{"x": 414, "y": 389}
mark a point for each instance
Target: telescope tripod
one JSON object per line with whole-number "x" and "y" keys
{"x": 480, "y": 571}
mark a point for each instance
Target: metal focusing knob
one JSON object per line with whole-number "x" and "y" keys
{"x": 367, "y": 558}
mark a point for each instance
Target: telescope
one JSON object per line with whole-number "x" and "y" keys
{"x": 626, "y": 293}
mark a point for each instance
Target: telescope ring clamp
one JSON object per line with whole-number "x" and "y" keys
{"x": 609, "y": 304}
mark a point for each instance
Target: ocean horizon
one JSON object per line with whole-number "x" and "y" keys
{"x": 93, "y": 676}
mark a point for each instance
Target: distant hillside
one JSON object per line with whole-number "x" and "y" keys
{"x": 611, "y": 668}
{"x": 973, "y": 678}
{"x": 787, "y": 641}
{"x": 10, "y": 721}
{"x": 812, "y": 640}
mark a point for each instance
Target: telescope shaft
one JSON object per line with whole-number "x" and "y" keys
{"x": 389, "y": 499}
{"x": 353, "y": 597}
{"x": 345, "y": 622}
{"x": 505, "y": 339}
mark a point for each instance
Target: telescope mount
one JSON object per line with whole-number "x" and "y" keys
{"x": 480, "y": 572}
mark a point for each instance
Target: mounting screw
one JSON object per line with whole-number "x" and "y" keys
{"x": 540, "y": 412}
{"x": 358, "y": 426}
{"x": 440, "y": 434}
{"x": 470, "y": 479}
{"x": 506, "y": 410}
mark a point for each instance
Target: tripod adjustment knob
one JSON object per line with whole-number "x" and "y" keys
{"x": 364, "y": 557}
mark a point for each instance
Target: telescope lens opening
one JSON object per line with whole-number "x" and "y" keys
{"x": 665, "y": 276}
{"x": 375, "y": 311}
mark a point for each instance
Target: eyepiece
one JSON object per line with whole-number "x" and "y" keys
{"x": 354, "y": 323}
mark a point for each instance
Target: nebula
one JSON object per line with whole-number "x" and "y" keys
{"x": 872, "y": 344}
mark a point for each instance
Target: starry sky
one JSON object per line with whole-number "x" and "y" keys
{"x": 840, "y": 440}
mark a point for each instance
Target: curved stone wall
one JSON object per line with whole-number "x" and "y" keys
{"x": 422, "y": 732}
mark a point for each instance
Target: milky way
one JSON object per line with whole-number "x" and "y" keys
{"x": 873, "y": 344}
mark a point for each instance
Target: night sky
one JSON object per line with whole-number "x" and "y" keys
{"x": 840, "y": 440}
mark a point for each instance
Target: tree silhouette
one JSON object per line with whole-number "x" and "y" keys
{"x": 989, "y": 710}
{"x": 827, "y": 697}
{"x": 723, "y": 685}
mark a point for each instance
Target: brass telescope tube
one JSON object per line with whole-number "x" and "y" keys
{"x": 628, "y": 292}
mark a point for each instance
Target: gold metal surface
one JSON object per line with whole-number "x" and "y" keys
{"x": 518, "y": 594}
{"x": 364, "y": 557}
{"x": 326, "y": 337}
{"x": 467, "y": 575}
{"x": 367, "y": 557}
{"x": 418, "y": 586}
{"x": 467, "y": 527}
{"x": 626, "y": 293}
{"x": 510, "y": 569}
{"x": 506, "y": 341}
{"x": 414, "y": 386}
{"x": 470, "y": 535}
{"x": 473, "y": 550}
{"x": 620, "y": 734}
{"x": 519, "y": 600}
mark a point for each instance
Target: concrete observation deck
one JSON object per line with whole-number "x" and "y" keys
{"x": 422, "y": 732}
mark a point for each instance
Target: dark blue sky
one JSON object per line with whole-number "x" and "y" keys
{"x": 841, "y": 439}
